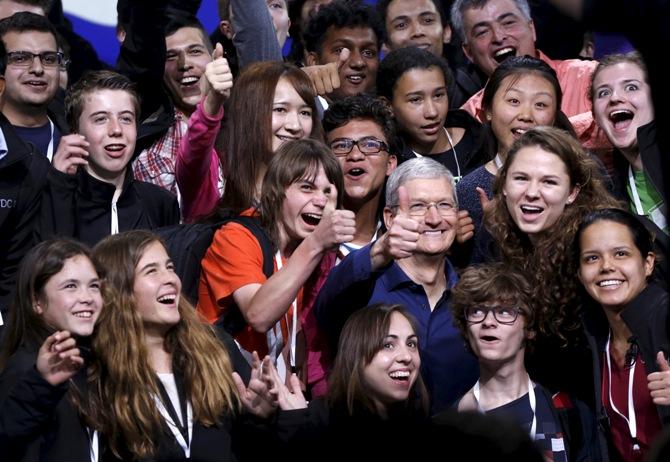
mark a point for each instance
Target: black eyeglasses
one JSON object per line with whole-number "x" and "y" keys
{"x": 26, "y": 58}
{"x": 502, "y": 314}
{"x": 368, "y": 146}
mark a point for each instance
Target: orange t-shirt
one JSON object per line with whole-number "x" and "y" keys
{"x": 234, "y": 260}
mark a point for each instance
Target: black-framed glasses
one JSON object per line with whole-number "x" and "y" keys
{"x": 502, "y": 314}
{"x": 26, "y": 58}
{"x": 369, "y": 146}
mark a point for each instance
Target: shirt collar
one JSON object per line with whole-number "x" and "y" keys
{"x": 396, "y": 278}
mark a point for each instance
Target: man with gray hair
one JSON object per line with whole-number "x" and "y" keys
{"x": 493, "y": 30}
{"x": 408, "y": 265}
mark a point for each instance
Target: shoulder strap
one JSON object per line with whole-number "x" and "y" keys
{"x": 253, "y": 224}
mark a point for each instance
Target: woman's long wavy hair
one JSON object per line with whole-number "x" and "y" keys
{"x": 122, "y": 383}
{"x": 40, "y": 264}
{"x": 361, "y": 339}
{"x": 550, "y": 259}
{"x": 247, "y": 135}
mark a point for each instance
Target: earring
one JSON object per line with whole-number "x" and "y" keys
{"x": 568, "y": 202}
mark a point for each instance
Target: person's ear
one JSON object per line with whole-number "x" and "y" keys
{"x": 226, "y": 29}
{"x": 466, "y": 51}
{"x": 312, "y": 58}
{"x": 649, "y": 261}
{"x": 392, "y": 164}
{"x": 2, "y": 84}
{"x": 38, "y": 306}
{"x": 446, "y": 33}
{"x": 388, "y": 217}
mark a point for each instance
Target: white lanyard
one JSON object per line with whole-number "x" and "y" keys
{"x": 93, "y": 441}
{"x": 50, "y": 147}
{"x": 174, "y": 428}
{"x": 633, "y": 190}
{"x": 115, "y": 212}
{"x": 293, "y": 328}
{"x": 631, "y": 420}
{"x": 498, "y": 161}
{"x": 453, "y": 148}
{"x": 531, "y": 399}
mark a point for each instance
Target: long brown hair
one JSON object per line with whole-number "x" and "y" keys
{"x": 121, "y": 380}
{"x": 362, "y": 337}
{"x": 248, "y": 131}
{"x": 40, "y": 264}
{"x": 550, "y": 259}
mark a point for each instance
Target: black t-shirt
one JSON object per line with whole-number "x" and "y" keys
{"x": 548, "y": 435}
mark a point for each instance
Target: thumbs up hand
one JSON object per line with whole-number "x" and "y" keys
{"x": 402, "y": 237}
{"x": 659, "y": 382}
{"x": 335, "y": 227}
{"x": 218, "y": 81}
{"x": 326, "y": 77}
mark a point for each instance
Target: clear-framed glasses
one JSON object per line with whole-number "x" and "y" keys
{"x": 369, "y": 146}
{"x": 444, "y": 208}
{"x": 502, "y": 314}
{"x": 26, "y": 58}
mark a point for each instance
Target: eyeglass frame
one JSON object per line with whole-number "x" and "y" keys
{"x": 491, "y": 309}
{"x": 59, "y": 55}
{"x": 383, "y": 146}
{"x": 452, "y": 211}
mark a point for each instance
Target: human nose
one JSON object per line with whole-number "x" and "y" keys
{"x": 432, "y": 214}
{"x": 182, "y": 62}
{"x": 291, "y": 122}
{"x": 114, "y": 127}
{"x": 532, "y": 190}
{"x": 320, "y": 199}
{"x": 356, "y": 60}
{"x": 489, "y": 318}
{"x": 355, "y": 153}
{"x": 606, "y": 264}
{"x": 36, "y": 65}
{"x": 525, "y": 113}
{"x": 429, "y": 109}
{"x": 498, "y": 33}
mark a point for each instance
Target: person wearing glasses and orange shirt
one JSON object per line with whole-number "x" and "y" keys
{"x": 408, "y": 265}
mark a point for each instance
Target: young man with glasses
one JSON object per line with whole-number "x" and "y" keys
{"x": 32, "y": 77}
{"x": 493, "y": 309}
{"x": 408, "y": 265}
{"x": 361, "y": 133}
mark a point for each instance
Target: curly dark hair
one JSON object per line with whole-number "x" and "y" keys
{"x": 364, "y": 107}
{"x": 340, "y": 14}
{"x": 550, "y": 259}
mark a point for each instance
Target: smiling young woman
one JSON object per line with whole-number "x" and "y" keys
{"x": 628, "y": 333}
{"x": 58, "y": 301}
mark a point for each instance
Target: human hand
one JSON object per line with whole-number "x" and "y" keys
{"x": 218, "y": 81}
{"x": 466, "y": 227}
{"x": 59, "y": 358}
{"x": 256, "y": 397}
{"x": 483, "y": 199}
{"x": 288, "y": 399}
{"x": 659, "y": 382}
{"x": 72, "y": 152}
{"x": 326, "y": 77}
{"x": 402, "y": 237}
{"x": 336, "y": 227}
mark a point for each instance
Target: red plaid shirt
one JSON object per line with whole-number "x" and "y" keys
{"x": 157, "y": 163}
